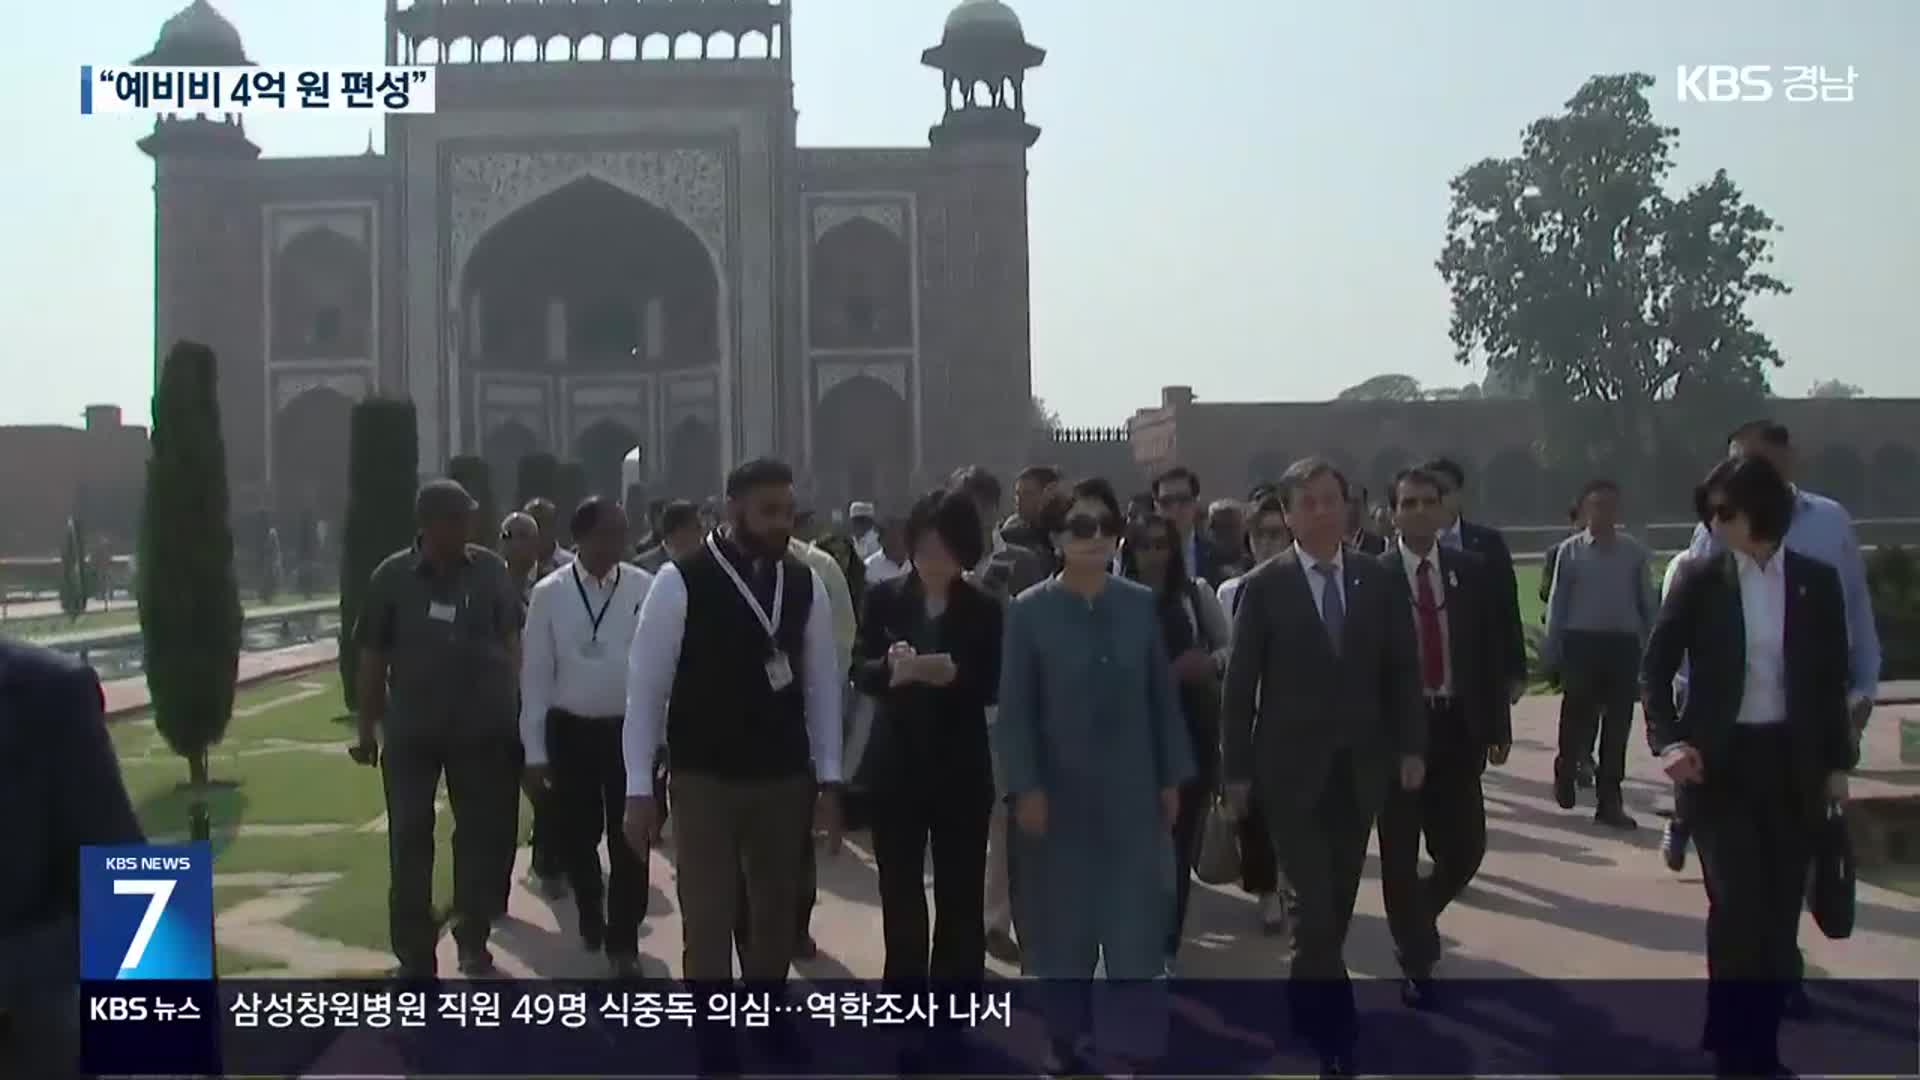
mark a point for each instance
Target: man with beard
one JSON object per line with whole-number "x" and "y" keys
{"x": 734, "y": 662}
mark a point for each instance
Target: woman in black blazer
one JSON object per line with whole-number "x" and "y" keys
{"x": 1760, "y": 747}
{"x": 929, "y": 653}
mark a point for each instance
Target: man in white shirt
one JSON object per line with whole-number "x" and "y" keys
{"x": 734, "y": 663}
{"x": 863, "y": 530}
{"x": 573, "y": 697}
{"x": 891, "y": 560}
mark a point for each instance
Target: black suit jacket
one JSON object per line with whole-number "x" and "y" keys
{"x": 1369, "y": 543}
{"x": 1703, "y": 622}
{"x": 1312, "y": 699}
{"x": 930, "y": 737}
{"x": 1474, "y": 638}
{"x": 1491, "y": 546}
{"x": 60, "y": 789}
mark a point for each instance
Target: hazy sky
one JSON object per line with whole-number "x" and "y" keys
{"x": 1242, "y": 195}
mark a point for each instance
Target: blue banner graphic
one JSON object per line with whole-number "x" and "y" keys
{"x": 1000, "y": 1028}
{"x": 146, "y": 912}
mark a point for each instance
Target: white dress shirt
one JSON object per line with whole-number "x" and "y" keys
{"x": 880, "y": 568}
{"x": 1412, "y": 563}
{"x": 560, "y": 667}
{"x": 1229, "y": 589}
{"x": 1318, "y": 584}
{"x": 1763, "y": 604}
{"x": 656, "y": 656}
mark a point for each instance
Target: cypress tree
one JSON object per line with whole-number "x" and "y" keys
{"x": 475, "y": 475}
{"x": 537, "y": 478}
{"x": 74, "y": 570}
{"x": 569, "y": 489}
{"x": 189, "y": 596}
{"x": 382, "y": 477}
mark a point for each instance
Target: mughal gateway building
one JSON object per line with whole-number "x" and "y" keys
{"x": 607, "y": 238}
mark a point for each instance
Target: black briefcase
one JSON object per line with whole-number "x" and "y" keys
{"x": 1830, "y": 886}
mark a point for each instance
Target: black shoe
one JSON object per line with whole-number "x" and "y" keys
{"x": 1613, "y": 817}
{"x": 623, "y": 968}
{"x": 1417, "y": 992}
{"x": 1002, "y": 947}
{"x": 1673, "y": 845}
{"x": 1336, "y": 1065}
{"x": 423, "y": 972}
{"x": 476, "y": 962}
{"x": 1563, "y": 785}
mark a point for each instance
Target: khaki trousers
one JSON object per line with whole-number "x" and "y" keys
{"x": 723, "y": 829}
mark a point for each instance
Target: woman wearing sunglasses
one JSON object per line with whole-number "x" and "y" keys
{"x": 1195, "y": 631}
{"x": 1094, "y": 750}
{"x": 1761, "y": 745}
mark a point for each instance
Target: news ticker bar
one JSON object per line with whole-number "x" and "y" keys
{"x": 1183, "y": 1027}
{"x": 118, "y": 89}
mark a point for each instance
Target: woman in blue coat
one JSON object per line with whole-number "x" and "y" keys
{"x": 1093, "y": 747}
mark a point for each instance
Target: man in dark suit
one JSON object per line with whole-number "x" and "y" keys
{"x": 1469, "y": 725}
{"x": 679, "y": 533}
{"x": 1487, "y": 543}
{"x": 60, "y": 790}
{"x": 1325, "y": 636}
{"x": 1176, "y": 496}
{"x": 1359, "y": 537}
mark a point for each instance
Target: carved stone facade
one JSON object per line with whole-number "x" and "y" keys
{"x": 582, "y": 253}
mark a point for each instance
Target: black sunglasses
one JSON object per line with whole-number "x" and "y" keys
{"x": 1086, "y": 526}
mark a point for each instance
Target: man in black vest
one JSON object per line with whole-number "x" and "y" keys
{"x": 734, "y": 662}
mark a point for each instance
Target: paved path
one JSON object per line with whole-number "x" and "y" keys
{"x": 1558, "y": 896}
{"x": 128, "y": 696}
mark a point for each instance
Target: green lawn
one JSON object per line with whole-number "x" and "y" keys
{"x": 304, "y": 777}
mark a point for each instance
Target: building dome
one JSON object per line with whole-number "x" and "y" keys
{"x": 196, "y": 35}
{"x": 984, "y": 20}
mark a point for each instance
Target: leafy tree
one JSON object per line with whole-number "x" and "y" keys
{"x": 1383, "y": 388}
{"x": 76, "y": 570}
{"x": 570, "y": 489}
{"x": 189, "y": 595}
{"x": 1469, "y": 392}
{"x": 477, "y": 477}
{"x": 1834, "y": 388}
{"x": 382, "y": 477}
{"x": 538, "y": 474}
{"x": 1623, "y": 309}
{"x": 1044, "y": 419}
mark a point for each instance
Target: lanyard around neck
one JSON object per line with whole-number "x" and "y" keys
{"x": 581, "y": 588}
{"x": 770, "y": 621}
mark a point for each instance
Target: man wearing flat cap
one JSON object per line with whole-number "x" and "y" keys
{"x": 439, "y": 640}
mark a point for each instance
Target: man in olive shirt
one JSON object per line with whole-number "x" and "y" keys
{"x": 439, "y": 642}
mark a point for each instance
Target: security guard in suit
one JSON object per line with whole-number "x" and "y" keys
{"x": 60, "y": 790}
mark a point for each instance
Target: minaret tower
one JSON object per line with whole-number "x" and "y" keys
{"x": 980, "y": 152}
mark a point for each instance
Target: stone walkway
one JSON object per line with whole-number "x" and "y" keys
{"x": 128, "y": 696}
{"x": 1558, "y": 896}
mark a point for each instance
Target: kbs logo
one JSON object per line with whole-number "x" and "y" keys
{"x": 1725, "y": 82}
{"x": 146, "y": 912}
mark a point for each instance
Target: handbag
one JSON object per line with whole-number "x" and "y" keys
{"x": 1830, "y": 888}
{"x": 1219, "y": 859}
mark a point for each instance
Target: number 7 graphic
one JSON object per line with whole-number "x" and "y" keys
{"x": 158, "y": 893}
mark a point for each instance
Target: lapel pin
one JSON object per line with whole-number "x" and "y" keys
{"x": 1452, "y": 582}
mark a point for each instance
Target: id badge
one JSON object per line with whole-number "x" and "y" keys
{"x": 441, "y": 612}
{"x": 592, "y": 649}
{"x": 779, "y": 672}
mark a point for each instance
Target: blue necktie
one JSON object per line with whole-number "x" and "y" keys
{"x": 1333, "y": 608}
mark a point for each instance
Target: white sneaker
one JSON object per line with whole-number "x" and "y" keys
{"x": 1273, "y": 914}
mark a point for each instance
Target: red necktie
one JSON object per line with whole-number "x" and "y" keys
{"x": 1433, "y": 657}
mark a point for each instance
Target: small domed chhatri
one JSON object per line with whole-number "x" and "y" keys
{"x": 984, "y": 19}
{"x": 196, "y": 35}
